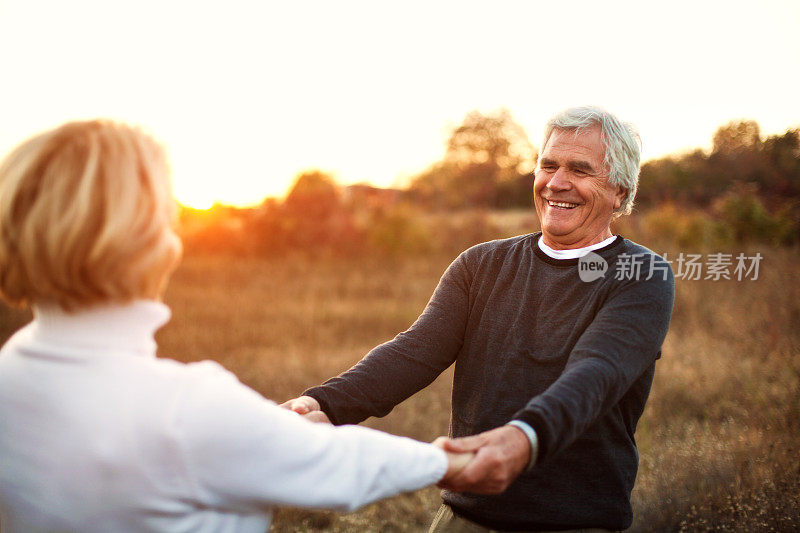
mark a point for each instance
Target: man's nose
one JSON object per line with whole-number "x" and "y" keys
{"x": 559, "y": 181}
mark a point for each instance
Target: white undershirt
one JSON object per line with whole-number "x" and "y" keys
{"x": 573, "y": 253}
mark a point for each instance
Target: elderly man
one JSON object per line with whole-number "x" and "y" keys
{"x": 552, "y": 367}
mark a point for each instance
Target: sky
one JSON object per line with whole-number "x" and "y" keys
{"x": 245, "y": 95}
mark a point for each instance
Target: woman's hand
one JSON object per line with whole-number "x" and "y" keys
{"x": 302, "y": 405}
{"x": 456, "y": 462}
{"x": 308, "y": 407}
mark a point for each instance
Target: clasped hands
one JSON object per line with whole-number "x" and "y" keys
{"x": 485, "y": 463}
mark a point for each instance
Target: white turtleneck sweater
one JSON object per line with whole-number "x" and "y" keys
{"x": 97, "y": 434}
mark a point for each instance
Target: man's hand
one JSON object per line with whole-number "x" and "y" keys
{"x": 501, "y": 454}
{"x": 308, "y": 407}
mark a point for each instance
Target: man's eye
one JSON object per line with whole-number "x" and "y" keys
{"x": 549, "y": 168}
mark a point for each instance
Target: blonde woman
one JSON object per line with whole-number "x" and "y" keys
{"x": 96, "y": 433}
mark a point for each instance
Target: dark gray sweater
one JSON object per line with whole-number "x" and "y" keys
{"x": 532, "y": 342}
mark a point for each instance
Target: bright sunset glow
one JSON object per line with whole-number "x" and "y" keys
{"x": 248, "y": 94}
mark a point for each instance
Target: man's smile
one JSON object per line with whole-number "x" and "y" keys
{"x": 561, "y": 205}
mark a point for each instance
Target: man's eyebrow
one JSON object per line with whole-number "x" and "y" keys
{"x": 575, "y": 164}
{"x": 583, "y": 166}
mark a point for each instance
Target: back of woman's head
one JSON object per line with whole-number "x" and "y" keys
{"x": 86, "y": 213}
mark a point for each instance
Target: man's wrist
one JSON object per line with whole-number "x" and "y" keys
{"x": 530, "y": 433}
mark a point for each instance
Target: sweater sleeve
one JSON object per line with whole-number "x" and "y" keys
{"x": 622, "y": 341}
{"x": 244, "y": 453}
{"x": 395, "y": 370}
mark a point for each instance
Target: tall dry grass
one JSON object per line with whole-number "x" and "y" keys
{"x": 720, "y": 437}
{"x": 718, "y": 441}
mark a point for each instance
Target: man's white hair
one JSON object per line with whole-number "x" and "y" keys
{"x": 622, "y": 146}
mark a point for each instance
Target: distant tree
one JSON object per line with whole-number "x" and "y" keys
{"x": 753, "y": 183}
{"x": 516, "y": 192}
{"x": 314, "y": 194}
{"x": 661, "y": 180}
{"x": 782, "y": 153}
{"x": 269, "y": 229}
{"x": 313, "y": 217}
{"x": 744, "y": 214}
{"x": 495, "y": 139}
{"x": 737, "y": 137}
{"x": 484, "y": 165}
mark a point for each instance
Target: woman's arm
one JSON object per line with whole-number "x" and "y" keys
{"x": 242, "y": 452}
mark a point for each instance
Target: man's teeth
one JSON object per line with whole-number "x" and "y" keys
{"x": 565, "y": 205}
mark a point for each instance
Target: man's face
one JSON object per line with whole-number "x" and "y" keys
{"x": 571, "y": 193}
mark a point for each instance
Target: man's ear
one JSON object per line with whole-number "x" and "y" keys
{"x": 620, "y": 196}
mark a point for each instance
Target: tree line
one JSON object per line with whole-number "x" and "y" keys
{"x": 745, "y": 188}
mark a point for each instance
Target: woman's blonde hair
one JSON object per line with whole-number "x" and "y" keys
{"x": 86, "y": 215}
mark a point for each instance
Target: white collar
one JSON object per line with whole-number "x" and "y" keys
{"x": 573, "y": 253}
{"x": 127, "y": 328}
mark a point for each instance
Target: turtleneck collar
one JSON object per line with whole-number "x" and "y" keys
{"x": 117, "y": 328}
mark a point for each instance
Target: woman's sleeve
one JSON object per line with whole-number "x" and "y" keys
{"x": 243, "y": 452}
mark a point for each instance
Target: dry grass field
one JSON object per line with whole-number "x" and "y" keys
{"x": 719, "y": 441}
